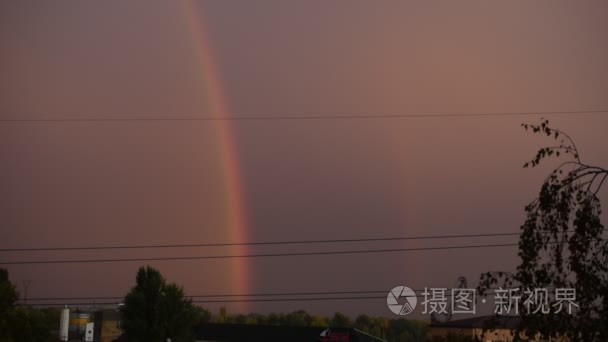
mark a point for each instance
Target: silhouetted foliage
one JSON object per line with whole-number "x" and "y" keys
{"x": 154, "y": 310}
{"x": 201, "y": 316}
{"x": 340, "y": 320}
{"x": 23, "y": 324}
{"x": 33, "y": 325}
{"x": 390, "y": 329}
{"x": 8, "y": 292}
{"x": 562, "y": 246}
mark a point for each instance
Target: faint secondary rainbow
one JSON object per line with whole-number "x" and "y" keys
{"x": 217, "y": 107}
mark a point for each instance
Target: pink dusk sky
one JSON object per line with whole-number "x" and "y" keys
{"x": 105, "y": 182}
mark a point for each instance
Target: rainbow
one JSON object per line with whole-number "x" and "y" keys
{"x": 217, "y": 107}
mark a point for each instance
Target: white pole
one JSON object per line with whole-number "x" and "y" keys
{"x": 64, "y": 324}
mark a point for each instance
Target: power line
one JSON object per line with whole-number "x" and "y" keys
{"x": 279, "y": 294}
{"x": 275, "y": 294}
{"x": 93, "y": 300}
{"x": 490, "y": 290}
{"x": 241, "y": 300}
{"x": 228, "y": 301}
{"x": 73, "y": 261}
{"x": 308, "y": 117}
{"x": 260, "y": 243}
{"x": 420, "y": 294}
{"x": 287, "y": 242}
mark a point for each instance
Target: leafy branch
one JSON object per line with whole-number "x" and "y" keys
{"x": 562, "y": 243}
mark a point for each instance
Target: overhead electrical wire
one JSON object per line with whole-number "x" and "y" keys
{"x": 94, "y": 300}
{"x": 261, "y": 255}
{"x": 256, "y": 243}
{"x": 295, "y": 117}
{"x": 261, "y": 243}
{"x": 270, "y": 294}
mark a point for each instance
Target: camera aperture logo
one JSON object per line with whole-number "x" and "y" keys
{"x": 406, "y": 296}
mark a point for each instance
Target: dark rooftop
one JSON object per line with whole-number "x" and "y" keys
{"x": 245, "y": 332}
{"x": 497, "y": 322}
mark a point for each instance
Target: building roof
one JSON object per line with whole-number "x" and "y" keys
{"x": 246, "y": 332}
{"x": 496, "y": 322}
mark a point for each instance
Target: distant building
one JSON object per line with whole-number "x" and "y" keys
{"x": 473, "y": 327}
{"x": 77, "y": 324}
{"x": 107, "y": 326}
{"x": 503, "y": 329}
{"x": 266, "y": 333}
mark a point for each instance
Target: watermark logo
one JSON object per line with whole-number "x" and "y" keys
{"x": 407, "y": 297}
{"x": 509, "y": 301}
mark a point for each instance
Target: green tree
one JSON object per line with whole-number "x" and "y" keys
{"x": 154, "y": 310}
{"x": 222, "y": 316}
{"x": 8, "y": 292}
{"x": 379, "y": 326}
{"x": 341, "y": 320}
{"x": 406, "y": 330}
{"x": 298, "y": 318}
{"x": 364, "y": 323}
{"x": 8, "y": 297}
{"x": 254, "y": 319}
{"x": 319, "y": 321}
{"x": 202, "y": 316}
{"x": 23, "y": 324}
{"x": 562, "y": 245}
{"x": 239, "y": 319}
{"x": 33, "y": 325}
{"x": 274, "y": 319}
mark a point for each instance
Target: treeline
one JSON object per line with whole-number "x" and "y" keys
{"x": 155, "y": 310}
{"x": 389, "y": 329}
{"x": 394, "y": 330}
{"x": 151, "y": 307}
{"x": 24, "y": 324}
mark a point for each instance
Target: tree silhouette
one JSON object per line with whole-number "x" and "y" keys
{"x": 561, "y": 246}
{"x": 21, "y": 323}
{"x": 154, "y": 310}
{"x": 8, "y": 297}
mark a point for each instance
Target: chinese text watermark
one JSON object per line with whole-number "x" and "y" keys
{"x": 402, "y": 300}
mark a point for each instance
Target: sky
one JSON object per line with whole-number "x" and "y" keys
{"x": 141, "y": 182}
